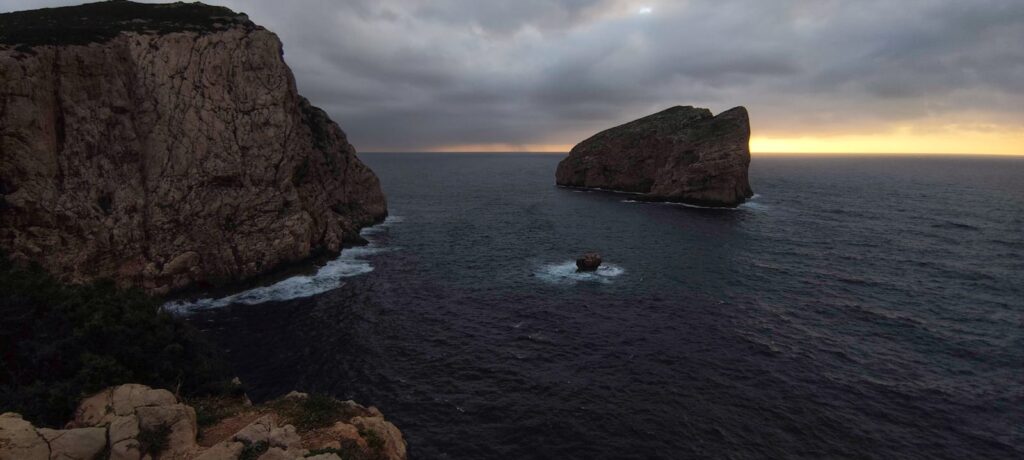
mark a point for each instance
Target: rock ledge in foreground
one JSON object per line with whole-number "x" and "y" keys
{"x": 136, "y": 422}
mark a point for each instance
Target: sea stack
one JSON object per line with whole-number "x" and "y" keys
{"x": 589, "y": 262}
{"x": 683, "y": 154}
{"x": 166, "y": 147}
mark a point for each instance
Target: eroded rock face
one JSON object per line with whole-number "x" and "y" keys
{"x": 683, "y": 154}
{"x": 170, "y": 158}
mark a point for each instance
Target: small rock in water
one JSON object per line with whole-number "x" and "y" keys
{"x": 589, "y": 262}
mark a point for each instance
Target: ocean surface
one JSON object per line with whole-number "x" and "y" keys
{"x": 857, "y": 307}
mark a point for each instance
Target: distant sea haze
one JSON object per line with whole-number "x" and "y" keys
{"x": 858, "y": 306}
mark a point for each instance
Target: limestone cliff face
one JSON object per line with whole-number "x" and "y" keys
{"x": 168, "y": 154}
{"x": 683, "y": 154}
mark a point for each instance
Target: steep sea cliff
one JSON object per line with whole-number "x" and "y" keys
{"x": 166, "y": 147}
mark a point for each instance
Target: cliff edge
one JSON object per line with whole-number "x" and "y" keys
{"x": 682, "y": 154}
{"x": 166, "y": 147}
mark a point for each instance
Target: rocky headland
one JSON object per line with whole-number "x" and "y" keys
{"x": 682, "y": 154}
{"x": 166, "y": 147}
{"x": 148, "y": 149}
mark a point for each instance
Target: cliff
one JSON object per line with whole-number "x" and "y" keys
{"x": 683, "y": 154}
{"x": 165, "y": 147}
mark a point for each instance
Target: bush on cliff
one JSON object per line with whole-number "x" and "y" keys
{"x": 59, "y": 343}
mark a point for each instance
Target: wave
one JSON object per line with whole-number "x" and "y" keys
{"x": 954, "y": 225}
{"x": 565, "y": 273}
{"x": 746, "y": 204}
{"x": 596, "y": 189}
{"x": 750, "y": 204}
{"x": 351, "y": 262}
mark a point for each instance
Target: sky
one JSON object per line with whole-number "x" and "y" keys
{"x": 825, "y": 76}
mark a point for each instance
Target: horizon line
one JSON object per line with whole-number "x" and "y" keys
{"x": 753, "y": 153}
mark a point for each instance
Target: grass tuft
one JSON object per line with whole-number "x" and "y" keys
{"x": 153, "y": 441}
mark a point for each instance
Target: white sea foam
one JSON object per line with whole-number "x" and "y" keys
{"x": 597, "y": 189}
{"x": 351, "y": 262}
{"x": 746, "y": 204}
{"x": 565, "y": 273}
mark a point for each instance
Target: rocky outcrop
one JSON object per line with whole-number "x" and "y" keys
{"x": 135, "y": 422}
{"x": 165, "y": 146}
{"x": 683, "y": 154}
{"x": 589, "y": 262}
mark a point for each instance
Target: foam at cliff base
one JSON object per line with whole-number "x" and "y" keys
{"x": 565, "y": 273}
{"x": 749, "y": 203}
{"x": 330, "y": 276}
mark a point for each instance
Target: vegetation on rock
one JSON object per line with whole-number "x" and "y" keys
{"x": 154, "y": 441}
{"x": 312, "y": 412}
{"x": 62, "y": 342}
{"x": 253, "y": 450}
{"x": 102, "y": 21}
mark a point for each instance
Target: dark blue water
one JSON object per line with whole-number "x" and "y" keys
{"x": 858, "y": 307}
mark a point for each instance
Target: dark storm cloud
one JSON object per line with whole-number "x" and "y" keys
{"x": 406, "y": 75}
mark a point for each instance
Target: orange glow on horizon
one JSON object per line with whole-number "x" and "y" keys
{"x": 900, "y": 141}
{"x": 502, "y": 148}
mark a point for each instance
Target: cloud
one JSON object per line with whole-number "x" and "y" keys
{"x": 417, "y": 74}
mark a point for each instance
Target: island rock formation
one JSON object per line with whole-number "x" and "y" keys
{"x": 165, "y": 147}
{"x": 683, "y": 154}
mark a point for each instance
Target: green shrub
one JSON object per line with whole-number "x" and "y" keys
{"x": 252, "y": 451}
{"x": 154, "y": 440}
{"x": 373, "y": 440}
{"x": 315, "y": 411}
{"x": 60, "y": 343}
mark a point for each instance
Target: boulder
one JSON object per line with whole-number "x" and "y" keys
{"x": 20, "y": 440}
{"x": 683, "y": 154}
{"x": 75, "y": 444}
{"x": 221, "y": 451}
{"x": 276, "y": 453}
{"x": 255, "y": 432}
{"x": 128, "y": 410}
{"x": 179, "y": 418}
{"x": 393, "y": 445}
{"x": 117, "y": 401}
{"x": 589, "y": 262}
{"x": 345, "y": 433}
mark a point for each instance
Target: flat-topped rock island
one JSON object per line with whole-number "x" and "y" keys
{"x": 682, "y": 154}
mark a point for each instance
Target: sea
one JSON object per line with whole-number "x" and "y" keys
{"x": 856, "y": 307}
